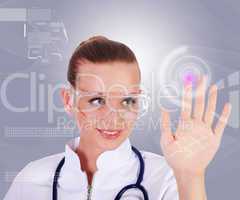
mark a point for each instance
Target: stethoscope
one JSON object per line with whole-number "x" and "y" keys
{"x": 136, "y": 185}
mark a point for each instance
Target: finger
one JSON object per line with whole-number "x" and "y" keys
{"x": 222, "y": 122}
{"x": 200, "y": 98}
{"x": 211, "y": 107}
{"x": 187, "y": 102}
{"x": 166, "y": 133}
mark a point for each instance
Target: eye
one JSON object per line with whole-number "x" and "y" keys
{"x": 129, "y": 101}
{"x": 97, "y": 101}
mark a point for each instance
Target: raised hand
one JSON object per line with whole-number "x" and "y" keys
{"x": 196, "y": 141}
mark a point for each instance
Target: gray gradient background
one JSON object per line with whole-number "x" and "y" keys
{"x": 153, "y": 29}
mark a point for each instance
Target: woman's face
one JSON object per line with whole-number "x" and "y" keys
{"x": 106, "y": 103}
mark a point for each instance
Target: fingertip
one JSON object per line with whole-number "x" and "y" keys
{"x": 213, "y": 88}
{"x": 163, "y": 110}
{"x": 228, "y": 107}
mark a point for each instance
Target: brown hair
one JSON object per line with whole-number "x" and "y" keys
{"x": 98, "y": 49}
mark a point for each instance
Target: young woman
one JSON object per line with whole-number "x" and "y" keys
{"x": 104, "y": 99}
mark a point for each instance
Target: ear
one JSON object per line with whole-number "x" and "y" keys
{"x": 67, "y": 100}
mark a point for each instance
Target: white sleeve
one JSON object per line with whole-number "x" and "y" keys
{"x": 15, "y": 191}
{"x": 171, "y": 191}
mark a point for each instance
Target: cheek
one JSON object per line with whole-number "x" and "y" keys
{"x": 130, "y": 120}
{"x": 85, "y": 122}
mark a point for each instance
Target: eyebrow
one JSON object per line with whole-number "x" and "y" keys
{"x": 102, "y": 93}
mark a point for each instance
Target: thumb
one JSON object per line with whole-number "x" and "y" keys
{"x": 165, "y": 126}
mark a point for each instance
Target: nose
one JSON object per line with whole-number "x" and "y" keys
{"x": 110, "y": 113}
{"x": 112, "y": 118}
{"x": 114, "y": 103}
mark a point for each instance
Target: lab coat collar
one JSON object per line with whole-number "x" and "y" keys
{"x": 116, "y": 158}
{"x": 107, "y": 160}
{"x": 73, "y": 178}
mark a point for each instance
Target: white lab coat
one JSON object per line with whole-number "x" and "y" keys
{"x": 116, "y": 169}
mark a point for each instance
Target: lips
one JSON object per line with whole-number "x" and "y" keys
{"x": 109, "y": 134}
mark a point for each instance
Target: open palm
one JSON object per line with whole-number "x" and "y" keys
{"x": 196, "y": 141}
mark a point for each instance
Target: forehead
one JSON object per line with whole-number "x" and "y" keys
{"x": 114, "y": 77}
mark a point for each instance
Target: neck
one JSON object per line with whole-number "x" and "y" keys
{"x": 88, "y": 155}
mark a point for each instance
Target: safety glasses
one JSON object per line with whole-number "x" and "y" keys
{"x": 126, "y": 105}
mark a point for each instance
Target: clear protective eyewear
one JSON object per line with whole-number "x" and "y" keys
{"x": 127, "y": 105}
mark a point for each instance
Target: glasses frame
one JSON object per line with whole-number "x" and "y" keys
{"x": 75, "y": 93}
